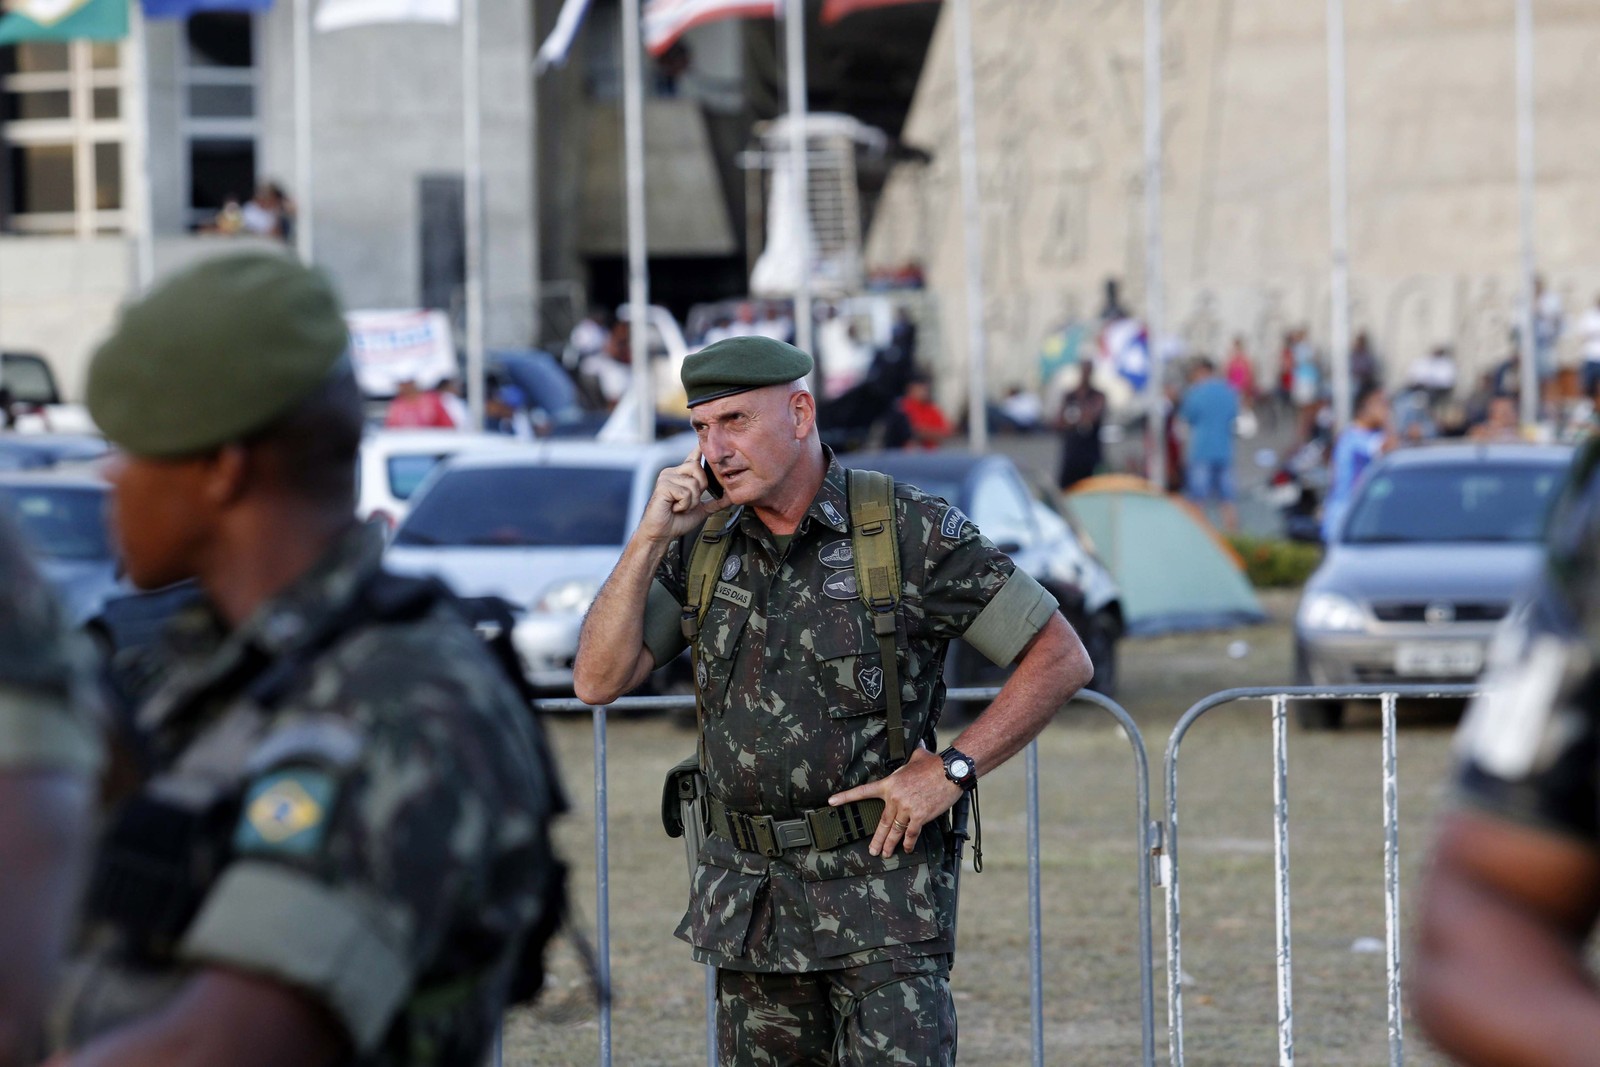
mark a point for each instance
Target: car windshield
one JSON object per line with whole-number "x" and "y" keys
{"x": 1467, "y": 503}
{"x": 407, "y": 472}
{"x": 522, "y": 506}
{"x": 60, "y": 522}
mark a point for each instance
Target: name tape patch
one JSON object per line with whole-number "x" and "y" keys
{"x": 732, "y": 594}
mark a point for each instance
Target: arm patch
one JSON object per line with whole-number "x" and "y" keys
{"x": 953, "y": 523}
{"x": 286, "y": 813}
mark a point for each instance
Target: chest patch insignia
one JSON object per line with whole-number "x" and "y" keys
{"x": 838, "y": 554}
{"x": 871, "y": 681}
{"x": 733, "y": 594}
{"x": 840, "y": 585}
{"x": 286, "y": 812}
{"x": 831, "y": 513}
{"x": 954, "y": 520}
{"x": 730, "y": 568}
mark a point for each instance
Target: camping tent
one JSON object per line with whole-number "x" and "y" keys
{"x": 1175, "y": 573}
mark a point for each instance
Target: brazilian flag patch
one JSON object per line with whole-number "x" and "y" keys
{"x": 286, "y": 812}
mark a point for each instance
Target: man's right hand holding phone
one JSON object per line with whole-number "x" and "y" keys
{"x": 684, "y": 497}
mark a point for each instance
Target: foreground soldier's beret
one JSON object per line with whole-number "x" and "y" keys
{"x": 215, "y": 353}
{"x": 740, "y": 364}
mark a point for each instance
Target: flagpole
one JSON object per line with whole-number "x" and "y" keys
{"x": 638, "y": 270}
{"x": 472, "y": 138}
{"x": 794, "y": 38}
{"x": 139, "y": 140}
{"x": 1338, "y": 216}
{"x": 977, "y": 337}
{"x": 1529, "y": 374}
{"x": 1156, "y": 463}
{"x": 303, "y": 198}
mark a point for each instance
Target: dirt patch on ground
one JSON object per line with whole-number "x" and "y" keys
{"x": 1089, "y": 861}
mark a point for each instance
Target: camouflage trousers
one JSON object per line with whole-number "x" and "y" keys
{"x": 896, "y": 1012}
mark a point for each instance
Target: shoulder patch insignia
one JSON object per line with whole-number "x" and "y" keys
{"x": 732, "y": 594}
{"x": 730, "y": 567}
{"x": 954, "y": 520}
{"x": 837, "y": 554}
{"x": 831, "y": 513}
{"x": 286, "y": 812}
{"x": 840, "y": 585}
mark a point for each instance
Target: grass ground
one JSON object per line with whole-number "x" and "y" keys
{"x": 1089, "y": 867}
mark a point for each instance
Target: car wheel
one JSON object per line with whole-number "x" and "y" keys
{"x": 1314, "y": 714}
{"x": 1100, "y": 641}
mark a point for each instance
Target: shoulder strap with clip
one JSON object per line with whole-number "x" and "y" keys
{"x": 876, "y": 546}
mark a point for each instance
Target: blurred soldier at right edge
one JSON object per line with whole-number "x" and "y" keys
{"x": 1513, "y": 891}
{"x": 49, "y": 750}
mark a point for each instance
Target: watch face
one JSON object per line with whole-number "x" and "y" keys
{"x": 960, "y": 768}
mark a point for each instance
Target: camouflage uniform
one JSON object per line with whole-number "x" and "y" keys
{"x": 367, "y": 827}
{"x": 47, "y": 720}
{"x": 1530, "y": 746}
{"x": 794, "y": 711}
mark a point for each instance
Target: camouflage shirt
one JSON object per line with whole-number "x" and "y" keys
{"x": 794, "y": 711}
{"x": 358, "y": 815}
{"x": 47, "y": 716}
{"x": 1530, "y": 746}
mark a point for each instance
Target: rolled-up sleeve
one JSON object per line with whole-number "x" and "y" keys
{"x": 1009, "y": 621}
{"x": 335, "y": 943}
{"x": 40, "y": 729}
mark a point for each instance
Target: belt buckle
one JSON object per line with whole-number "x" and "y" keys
{"x": 792, "y": 833}
{"x": 764, "y": 835}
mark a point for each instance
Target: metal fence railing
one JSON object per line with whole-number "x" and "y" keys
{"x": 1156, "y": 853}
{"x": 1147, "y": 848}
{"x": 1278, "y": 699}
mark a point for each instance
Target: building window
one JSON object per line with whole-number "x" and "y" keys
{"x": 61, "y": 126}
{"x": 221, "y": 91}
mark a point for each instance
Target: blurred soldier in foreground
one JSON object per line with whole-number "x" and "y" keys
{"x": 337, "y": 840}
{"x": 1513, "y": 892}
{"x": 49, "y": 749}
{"x": 825, "y": 893}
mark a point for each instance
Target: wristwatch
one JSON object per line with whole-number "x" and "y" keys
{"x": 959, "y": 768}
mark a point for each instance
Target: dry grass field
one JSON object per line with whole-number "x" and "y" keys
{"x": 1089, "y": 864}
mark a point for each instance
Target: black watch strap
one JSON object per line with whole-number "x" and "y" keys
{"x": 960, "y": 768}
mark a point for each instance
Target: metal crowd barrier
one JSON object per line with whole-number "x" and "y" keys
{"x": 1147, "y": 847}
{"x": 1279, "y": 698}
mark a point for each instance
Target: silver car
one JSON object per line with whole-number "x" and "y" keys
{"x": 541, "y": 527}
{"x": 1434, "y": 550}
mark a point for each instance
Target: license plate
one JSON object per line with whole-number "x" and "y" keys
{"x": 1443, "y": 659}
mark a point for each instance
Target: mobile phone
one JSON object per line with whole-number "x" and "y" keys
{"x": 713, "y": 486}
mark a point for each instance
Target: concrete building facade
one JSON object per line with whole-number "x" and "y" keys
{"x": 1434, "y": 239}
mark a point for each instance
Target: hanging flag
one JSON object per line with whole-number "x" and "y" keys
{"x": 553, "y": 53}
{"x": 834, "y": 10}
{"x": 342, "y": 14}
{"x": 182, "y": 9}
{"x": 63, "y": 20}
{"x": 667, "y": 20}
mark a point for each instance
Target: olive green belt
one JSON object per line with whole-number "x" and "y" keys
{"x": 819, "y": 828}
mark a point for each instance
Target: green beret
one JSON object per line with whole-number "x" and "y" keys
{"x": 215, "y": 353}
{"x": 739, "y": 364}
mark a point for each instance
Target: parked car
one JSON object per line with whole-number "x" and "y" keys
{"x": 395, "y": 462}
{"x": 38, "y": 451}
{"x": 62, "y": 516}
{"x": 542, "y": 527}
{"x": 1434, "y": 551}
{"x": 1035, "y": 531}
